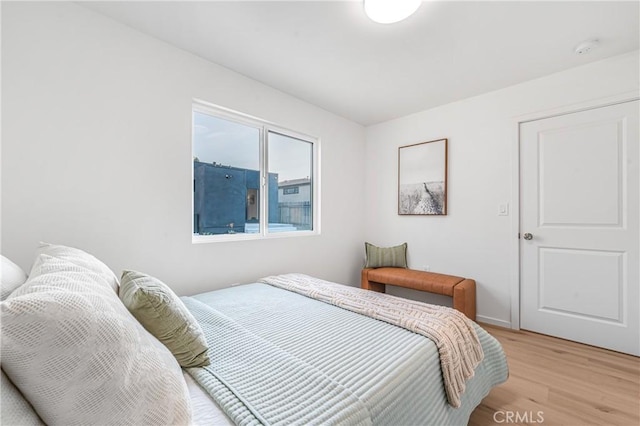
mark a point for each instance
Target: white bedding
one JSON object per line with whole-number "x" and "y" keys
{"x": 205, "y": 411}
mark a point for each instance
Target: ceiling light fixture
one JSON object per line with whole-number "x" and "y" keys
{"x": 390, "y": 11}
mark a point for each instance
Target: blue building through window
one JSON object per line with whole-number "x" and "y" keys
{"x": 250, "y": 177}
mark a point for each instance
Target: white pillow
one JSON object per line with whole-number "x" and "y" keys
{"x": 15, "y": 409}
{"x": 62, "y": 275}
{"x": 80, "y": 357}
{"x": 12, "y": 277}
{"x": 80, "y": 258}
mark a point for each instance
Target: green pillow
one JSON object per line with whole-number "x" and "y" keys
{"x": 164, "y": 315}
{"x": 381, "y": 257}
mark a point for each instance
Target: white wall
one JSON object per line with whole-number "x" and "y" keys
{"x": 472, "y": 240}
{"x": 96, "y": 153}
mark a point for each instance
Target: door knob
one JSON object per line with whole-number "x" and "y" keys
{"x": 527, "y": 236}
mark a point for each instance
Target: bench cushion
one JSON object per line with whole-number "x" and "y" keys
{"x": 418, "y": 280}
{"x": 462, "y": 290}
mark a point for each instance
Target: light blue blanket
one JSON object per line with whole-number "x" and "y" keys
{"x": 282, "y": 358}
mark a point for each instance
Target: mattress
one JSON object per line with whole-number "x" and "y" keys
{"x": 392, "y": 373}
{"x": 205, "y": 411}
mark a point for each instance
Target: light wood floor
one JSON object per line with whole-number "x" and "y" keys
{"x": 568, "y": 383}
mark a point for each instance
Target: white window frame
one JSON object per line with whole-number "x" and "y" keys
{"x": 265, "y": 127}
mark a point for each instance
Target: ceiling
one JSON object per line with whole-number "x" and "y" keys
{"x": 330, "y": 54}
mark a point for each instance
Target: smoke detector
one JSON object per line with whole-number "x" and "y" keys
{"x": 586, "y": 47}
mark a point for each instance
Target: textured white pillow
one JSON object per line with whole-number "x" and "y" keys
{"x": 12, "y": 277}
{"x": 15, "y": 409}
{"x": 63, "y": 275}
{"x": 80, "y": 258}
{"x": 80, "y": 357}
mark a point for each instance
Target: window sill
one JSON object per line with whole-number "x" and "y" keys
{"x": 222, "y": 238}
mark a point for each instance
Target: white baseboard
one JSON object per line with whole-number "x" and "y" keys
{"x": 493, "y": 321}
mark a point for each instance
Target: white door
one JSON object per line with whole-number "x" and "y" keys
{"x": 579, "y": 233}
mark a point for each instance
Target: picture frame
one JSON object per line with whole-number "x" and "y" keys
{"x": 422, "y": 178}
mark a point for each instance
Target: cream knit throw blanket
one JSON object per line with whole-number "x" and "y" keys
{"x": 452, "y": 332}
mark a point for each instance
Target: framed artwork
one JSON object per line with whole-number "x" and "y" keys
{"x": 422, "y": 178}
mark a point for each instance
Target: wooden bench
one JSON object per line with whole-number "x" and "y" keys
{"x": 463, "y": 290}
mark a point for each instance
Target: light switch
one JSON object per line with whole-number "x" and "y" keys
{"x": 503, "y": 209}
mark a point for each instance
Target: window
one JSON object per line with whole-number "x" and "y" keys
{"x": 251, "y": 179}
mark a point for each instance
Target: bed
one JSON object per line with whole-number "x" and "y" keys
{"x": 275, "y": 355}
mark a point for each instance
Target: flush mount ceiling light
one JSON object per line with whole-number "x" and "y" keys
{"x": 390, "y": 11}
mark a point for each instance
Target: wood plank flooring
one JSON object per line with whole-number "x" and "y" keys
{"x": 557, "y": 382}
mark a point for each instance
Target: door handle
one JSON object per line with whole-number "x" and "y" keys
{"x": 527, "y": 236}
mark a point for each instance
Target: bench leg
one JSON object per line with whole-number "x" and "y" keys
{"x": 370, "y": 285}
{"x": 464, "y": 298}
{"x": 379, "y": 287}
